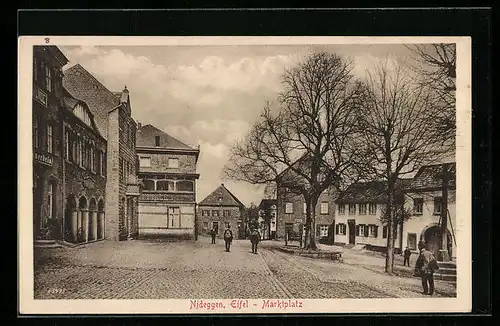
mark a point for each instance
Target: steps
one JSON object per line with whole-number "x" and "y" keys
{"x": 46, "y": 244}
{"x": 447, "y": 271}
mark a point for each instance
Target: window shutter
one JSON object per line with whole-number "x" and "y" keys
{"x": 376, "y": 231}
{"x": 384, "y": 232}
{"x": 318, "y": 230}
{"x": 336, "y": 229}
{"x": 366, "y": 230}
{"x": 357, "y": 230}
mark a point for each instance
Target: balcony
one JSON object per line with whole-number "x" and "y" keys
{"x": 133, "y": 186}
{"x": 42, "y": 157}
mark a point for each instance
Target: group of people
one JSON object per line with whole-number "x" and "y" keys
{"x": 425, "y": 267}
{"x": 228, "y": 238}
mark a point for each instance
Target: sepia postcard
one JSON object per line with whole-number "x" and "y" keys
{"x": 248, "y": 175}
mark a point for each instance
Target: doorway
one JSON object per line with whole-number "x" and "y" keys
{"x": 432, "y": 238}
{"x": 352, "y": 231}
{"x": 215, "y": 225}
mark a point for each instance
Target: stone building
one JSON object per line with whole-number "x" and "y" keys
{"x": 359, "y": 215}
{"x": 112, "y": 114}
{"x": 48, "y": 198}
{"x": 291, "y": 206}
{"x": 219, "y": 209}
{"x": 84, "y": 172}
{"x": 167, "y": 170}
{"x": 424, "y": 199}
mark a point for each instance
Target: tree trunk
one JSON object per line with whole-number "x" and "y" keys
{"x": 309, "y": 242}
{"x": 389, "y": 258}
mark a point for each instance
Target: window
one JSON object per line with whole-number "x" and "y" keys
{"x": 205, "y": 212}
{"x": 185, "y": 185}
{"x": 148, "y": 184}
{"x": 157, "y": 141}
{"x": 324, "y": 208}
{"x": 98, "y": 162}
{"x": 49, "y": 139}
{"x": 103, "y": 164}
{"x": 320, "y": 177}
{"x": 352, "y": 209}
{"x": 323, "y": 230}
{"x": 215, "y": 225}
{"x": 372, "y": 231}
{"x": 384, "y": 232}
{"x": 92, "y": 159}
{"x": 341, "y": 209}
{"x": 74, "y": 148}
{"x": 304, "y": 208}
{"x": 36, "y": 132}
{"x": 48, "y": 78}
{"x": 412, "y": 241}
{"x": 205, "y": 225}
{"x": 215, "y": 213}
{"x": 174, "y": 216}
{"x": 418, "y": 206}
{"x": 80, "y": 152}
{"x": 66, "y": 145}
{"x": 362, "y": 230}
{"x": 50, "y": 202}
{"x": 340, "y": 228}
{"x": 82, "y": 114}
{"x": 226, "y": 213}
{"x": 165, "y": 185}
{"x": 120, "y": 162}
{"x": 438, "y": 205}
{"x": 173, "y": 163}
{"x": 288, "y": 208}
{"x": 145, "y": 162}
{"x": 372, "y": 209}
{"x": 362, "y": 209}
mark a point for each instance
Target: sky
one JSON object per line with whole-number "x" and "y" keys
{"x": 208, "y": 95}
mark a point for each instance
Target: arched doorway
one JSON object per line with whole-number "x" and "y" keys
{"x": 93, "y": 220}
{"x": 83, "y": 220}
{"x": 432, "y": 237}
{"x": 70, "y": 220}
{"x": 100, "y": 219}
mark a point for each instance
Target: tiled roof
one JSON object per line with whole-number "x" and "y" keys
{"x": 83, "y": 86}
{"x": 146, "y": 136}
{"x": 227, "y": 198}
{"x": 430, "y": 176}
{"x": 69, "y": 103}
{"x": 372, "y": 191}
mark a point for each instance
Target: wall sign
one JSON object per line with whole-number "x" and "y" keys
{"x": 43, "y": 158}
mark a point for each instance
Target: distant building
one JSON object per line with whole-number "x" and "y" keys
{"x": 112, "y": 114}
{"x": 423, "y": 198}
{"x": 219, "y": 209}
{"x": 291, "y": 207}
{"x": 359, "y": 215}
{"x": 167, "y": 170}
{"x": 268, "y": 218}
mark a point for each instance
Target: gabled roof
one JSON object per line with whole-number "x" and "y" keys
{"x": 372, "y": 191}
{"x": 227, "y": 198}
{"x": 84, "y": 86}
{"x": 69, "y": 103}
{"x": 146, "y": 137}
{"x": 430, "y": 176}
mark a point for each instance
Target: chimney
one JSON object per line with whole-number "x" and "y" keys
{"x": 125, "y": 90}
{"x": 139, "y": 125}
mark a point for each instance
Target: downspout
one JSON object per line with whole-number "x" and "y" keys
{"x": 63, "y": 160}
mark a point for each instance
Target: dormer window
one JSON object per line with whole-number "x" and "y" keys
{"x": 82, "y": 114}
{"x": 157, "y": 141}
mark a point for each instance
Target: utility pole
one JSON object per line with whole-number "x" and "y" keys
{"x": 443, "y": 253}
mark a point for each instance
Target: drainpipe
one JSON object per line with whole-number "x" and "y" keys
{"x": 63, "y": 160}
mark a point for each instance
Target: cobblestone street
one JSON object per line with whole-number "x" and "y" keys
{"x": 181, "y": 270}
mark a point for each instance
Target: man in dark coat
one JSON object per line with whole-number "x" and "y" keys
{"x": 407, "y": 254}
{"x": 425, "y": 267}
{"x": 255, "y": 239}
{"x": 228, "y": 237}
{"x": 213, "y": 233}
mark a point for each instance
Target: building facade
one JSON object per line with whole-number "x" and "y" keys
{"x": 84, "y": 173}
{"x": 220, "y": 209}
{"x": 48, "y": 198}
{"x": 167, "y": 171}
{"x": 360, "y": 210}
{"x": 424, "y": 198}
{"x": 112, "y": 114}
{"x": 268, "y": 212}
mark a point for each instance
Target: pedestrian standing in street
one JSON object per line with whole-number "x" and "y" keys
{"x": 255, "y": 239}
{"x": 213, "y": 233}
{"x": 425, "y": 267}
{"x": 407, "y": 254}
{"x": 228, "y": 237}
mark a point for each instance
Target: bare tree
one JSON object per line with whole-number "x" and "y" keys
{"x": 435, "y": 65}
{"x": 307, "y": 144}
{"x": 397, "y": 134}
